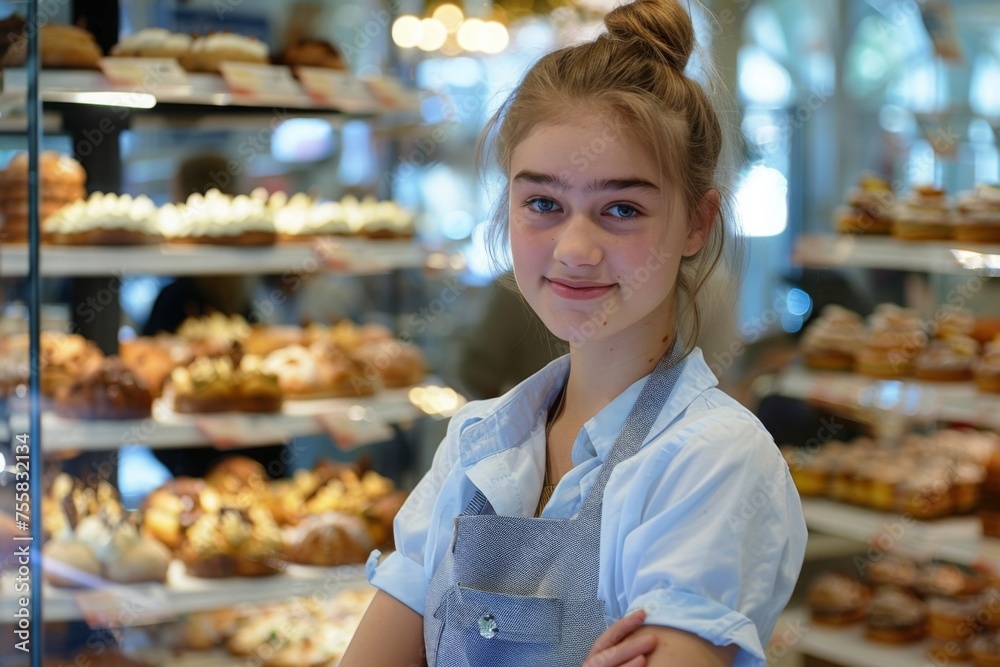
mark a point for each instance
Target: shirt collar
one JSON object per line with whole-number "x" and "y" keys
{"x": 513, "y": 416}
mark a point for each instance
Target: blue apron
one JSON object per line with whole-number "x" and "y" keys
{"x": 522, "y": 592}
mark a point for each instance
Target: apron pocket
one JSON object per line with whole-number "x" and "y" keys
{"x": 512, "y": 618}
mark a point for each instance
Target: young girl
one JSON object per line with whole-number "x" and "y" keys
{"x": 617, "y": 479}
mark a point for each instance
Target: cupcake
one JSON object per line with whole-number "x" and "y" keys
{"x": 836, "y": 598}
{"x": 896, "y": 616}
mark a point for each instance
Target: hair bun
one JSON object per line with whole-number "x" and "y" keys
{"x": 662, "y": 26}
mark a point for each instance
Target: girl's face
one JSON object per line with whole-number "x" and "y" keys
{"x": 597, "y": 234}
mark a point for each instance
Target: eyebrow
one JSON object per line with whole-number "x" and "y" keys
{"x": 593, "y": 186}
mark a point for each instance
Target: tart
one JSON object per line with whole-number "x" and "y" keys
{"x": 207, "y": 53}
{"x": 218, "y": 219}
{"x": 104, "y": 219}
{"x": 217, "y": 385}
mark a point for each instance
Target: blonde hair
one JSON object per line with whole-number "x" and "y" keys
{"x": 636, "y": 71}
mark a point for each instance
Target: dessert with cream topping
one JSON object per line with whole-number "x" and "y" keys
{"x": 153, "y": 43}
{"x": 207, "y": 52}
{"x": 215, "y": 218}
{"x": 868, "y": 208}
{"x": 104, "y": 219}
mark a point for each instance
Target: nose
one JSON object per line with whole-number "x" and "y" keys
{"x": 577, "y": 243}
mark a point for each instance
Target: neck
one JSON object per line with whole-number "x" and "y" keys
{"x": 601, "y": 370}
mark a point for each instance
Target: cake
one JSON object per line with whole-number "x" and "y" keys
{"x": 215, "y": 218}
{"x": 397, "y": 364}
{"x": 868, "y": 207}
{"x": 978, "y": 217}
{"x": 924, "y": 215}
{"x": 217, "y": 385}
{"x": 104, "y": 219}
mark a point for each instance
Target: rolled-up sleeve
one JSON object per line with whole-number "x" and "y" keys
{"x": 721, "y": 537}
{"x": 405, "y": 573}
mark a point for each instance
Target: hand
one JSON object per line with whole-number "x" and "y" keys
{"x": 618, "y": 646}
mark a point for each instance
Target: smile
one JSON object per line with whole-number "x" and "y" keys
{"x": 579, "y": 290}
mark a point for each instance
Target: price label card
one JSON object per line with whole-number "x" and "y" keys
{"x": 147, "y": 73}
{"x": 125, "y": 606}
{"x": 336, "y": 88}
{"x": 229, "y": 431}
{"x": 254, "y": 79}
{"x": 348, "y": 433}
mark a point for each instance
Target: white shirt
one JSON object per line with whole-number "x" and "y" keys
{"x": 702, "y": 528}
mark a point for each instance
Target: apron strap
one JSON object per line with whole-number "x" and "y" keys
{"x": 637, "y": 425}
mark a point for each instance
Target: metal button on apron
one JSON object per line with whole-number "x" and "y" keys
{"x": 488, "y": 626}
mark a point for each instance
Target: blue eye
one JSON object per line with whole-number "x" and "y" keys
{"x": 624, "y": 211}
{"x": 541, "y": 205}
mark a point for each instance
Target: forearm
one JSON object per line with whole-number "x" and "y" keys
{"x": 676, "y": 648}
{"x": 390, "y": 635}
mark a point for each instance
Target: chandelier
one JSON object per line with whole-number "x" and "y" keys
{"x": 449, "y": 31}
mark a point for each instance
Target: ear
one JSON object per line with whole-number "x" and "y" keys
{"x": 702, "y": 222}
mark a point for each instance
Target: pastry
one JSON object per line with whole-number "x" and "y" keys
{"x": 263, "y": 340}
{"x": 69, "y": 563}
{"x": 380, "y": 516}
{"x": 216, "y": 385}
{"x": 110, "y": 392}
{"x": 892, "y": 571}
{"x": 126, "y": 556}
{"x": 328, "y": 539}
{"x": 946, "y": 580}
{"x": 966, "y": 485}
{"x": 924, "y": 215}
{"x": 215, "y": 218}
{"x": 62, "y": 183}
{"x": 978, "y": 218}
{"x": 62, "y": 47}
{"x": 232, "y": 542}
{"x": 170, "y": 510}
{"x": 153, "y": 358}
{"x": 236, "y": 474}
{"x": 321, "y": 370}
{"x": 397, "y": 364}
{"x": 987, "y": 370}
{"x": 985, "y": 649}
{"x": 65, "y": 358}
{"x": 954, "y": 621}
{"x": 313, "y": 53}
{"x": 948, "y": 359}
{"x": 153, "y": 43}
{"x": 208, "y": 52}
{"x": 952, "y": 321}
{"x": 831, "y": 340}
{"x": 926, "y": 494}
{"x": 896, "y": 616}
{"x": 204, "y": 630}
{"x": 835, "y": 598}
{"x": 869, "y": 205}
{"x": 104, "y": 219}
{"x": 214, "y": 335}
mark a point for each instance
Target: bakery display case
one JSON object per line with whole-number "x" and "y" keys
{"x": 242, "y": 563}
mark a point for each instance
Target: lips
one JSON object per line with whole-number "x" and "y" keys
{"x": 579, "y": 289}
